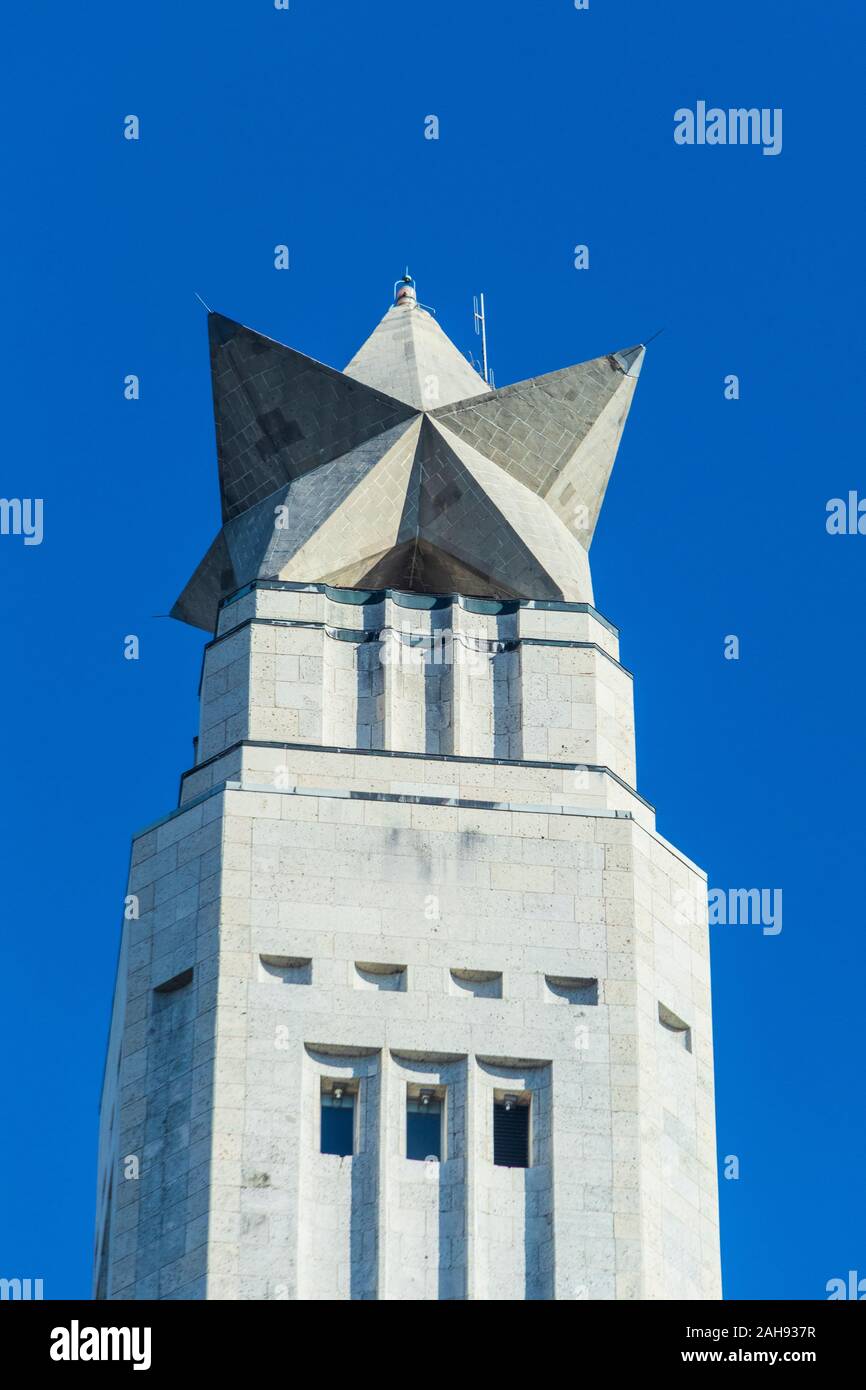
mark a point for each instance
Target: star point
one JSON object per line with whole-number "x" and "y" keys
{"x": 406, "y": 470}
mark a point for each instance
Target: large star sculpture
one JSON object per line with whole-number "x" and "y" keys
{"x": 406, "y": 470}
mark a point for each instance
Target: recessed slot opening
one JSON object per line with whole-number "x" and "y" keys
{"x": 176, "y": 982}
{"x": 572, "y": 988}
{"x": 482, "y": 984}
{"x": 290, "y": 970}
{"x": 372, "y": 975}
{"x": 672, "y": 1024}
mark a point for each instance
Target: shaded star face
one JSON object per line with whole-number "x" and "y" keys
{"x": 406, "y": 471}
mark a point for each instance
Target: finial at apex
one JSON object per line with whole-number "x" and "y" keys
{"x": 404, "y": 290}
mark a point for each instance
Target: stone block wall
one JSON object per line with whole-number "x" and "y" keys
{"x": 219, "y": 1079}
{"x": 302, "y": 665}
{"x": 390, "y": 913}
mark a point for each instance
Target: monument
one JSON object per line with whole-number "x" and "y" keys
{"x": 413, "y": 1000}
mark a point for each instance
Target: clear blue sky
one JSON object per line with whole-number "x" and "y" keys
{"x": 261, "y": 127}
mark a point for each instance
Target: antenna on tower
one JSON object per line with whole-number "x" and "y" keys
{"x": 405, "y": 292}
{"x": 404, "y": 289}
{"x": 481, "y": 327}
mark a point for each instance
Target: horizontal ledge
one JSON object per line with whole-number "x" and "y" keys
{"x": 347, "y": 794}
{"x": 409, "y": 799}
{"x": 434, "y": 638}
{"x": 406, "y": 599}
{"x": 598, "y": 813}
{"x": 457, "y": 758}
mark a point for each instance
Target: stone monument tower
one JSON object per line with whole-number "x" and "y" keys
{"x": 413, "y": 1000}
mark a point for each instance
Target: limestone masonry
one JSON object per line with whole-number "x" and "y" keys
{"x": 413, "y": 1000}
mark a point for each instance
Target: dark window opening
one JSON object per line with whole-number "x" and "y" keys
{"x": 338, "y": 1120}
{"x": 176, "y": 982}
{"x": 511, "y": 1132}
{"x": 424, "y": 1125}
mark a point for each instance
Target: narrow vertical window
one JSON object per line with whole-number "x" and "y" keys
{"x": 425, "y": 1111}
{"x": 339, "y": 1101}
{"x": 511, "y": 1130}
